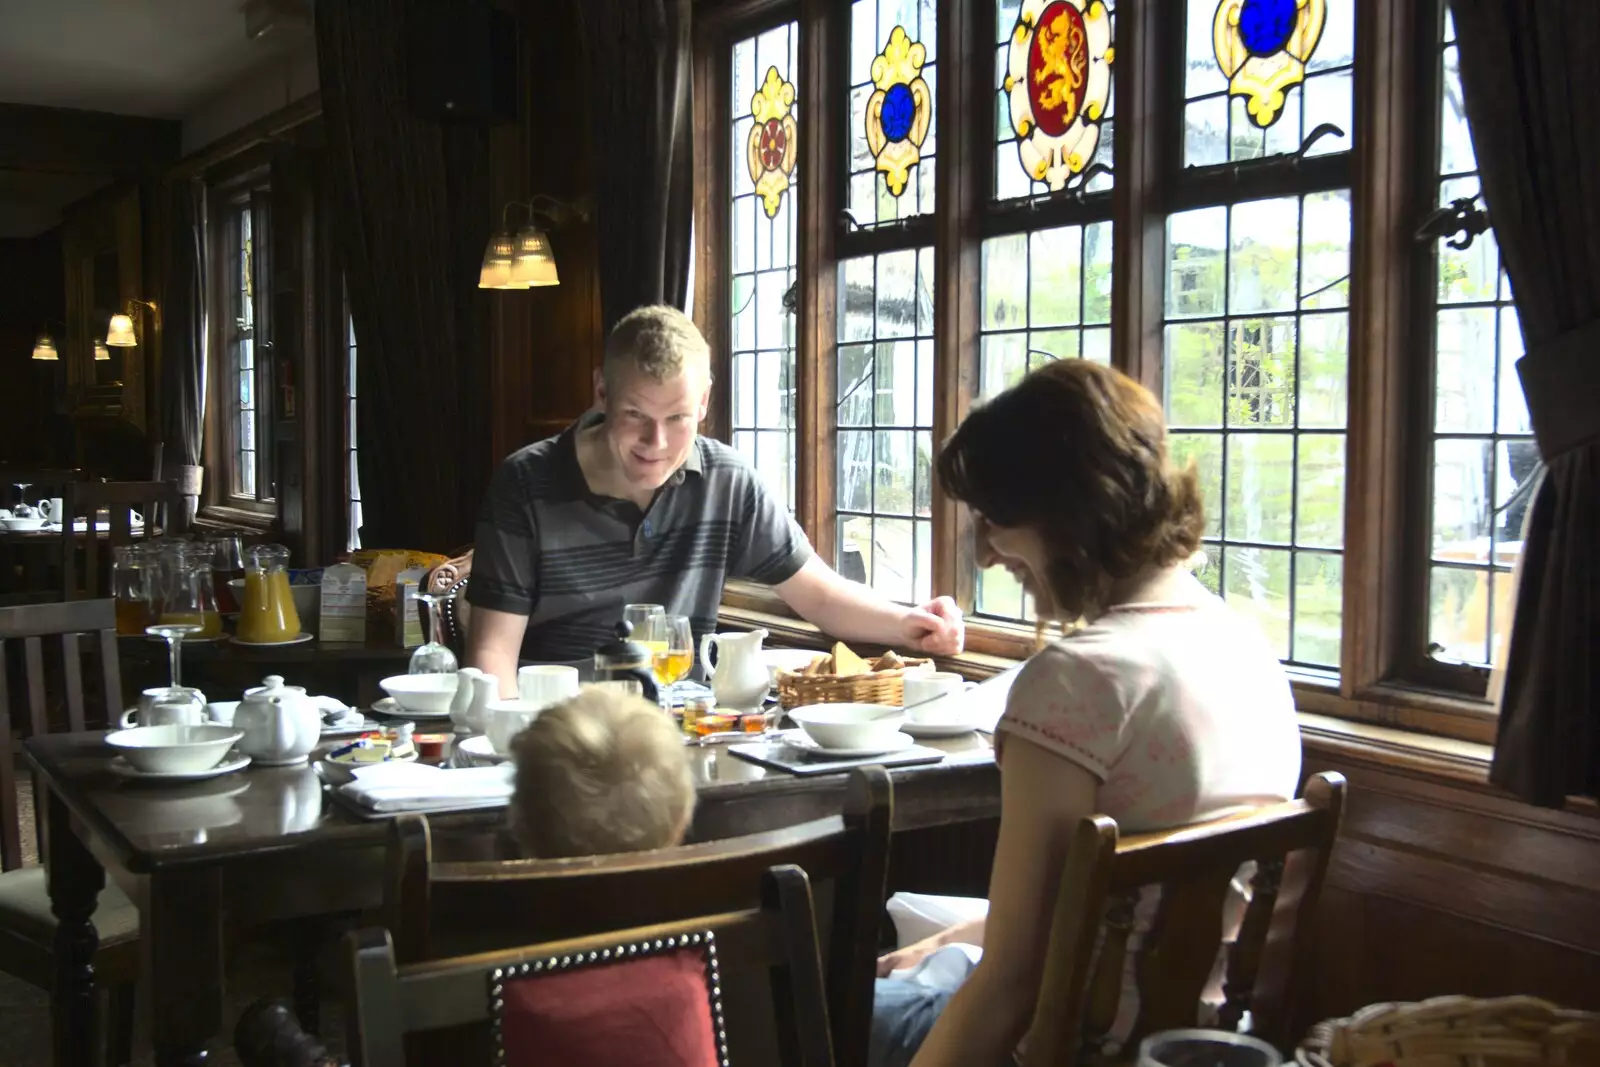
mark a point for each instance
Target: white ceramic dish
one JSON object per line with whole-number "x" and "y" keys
{"x": 850, "y": 726}
{"x": 336, "y": 773}
{"x": 174, "y": 749}
{"x": 932, "y": 730}
{"x": 479, "y": 751}
{"x": 423, "y": 696}
{"x": 896, "y": 742}
{"x": 25, "y": 525}
{"x": 298, "y": 639}
{"x": 121, "y": 766}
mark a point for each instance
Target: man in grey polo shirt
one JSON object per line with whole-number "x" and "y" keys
{"x": 631, "y": 505}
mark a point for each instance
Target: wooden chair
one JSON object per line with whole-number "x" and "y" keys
{"x": 436, "y": 908}
{"x": 85, "y": 568}
{"x": 1194, "y": 866}
{"x": 508, "y": 990}
{"x": 451, "y": 577}
{"x": 27, "y": 924}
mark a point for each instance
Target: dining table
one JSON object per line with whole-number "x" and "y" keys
{"x": 268, "y": 844}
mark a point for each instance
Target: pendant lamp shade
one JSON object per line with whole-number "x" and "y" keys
{"x": 101, "y": 352}
{"x": 534, "y": 263}
{"x": 45, "y": 348}
{"x": 497, "y": 258}
{"x": 120, "y": 332}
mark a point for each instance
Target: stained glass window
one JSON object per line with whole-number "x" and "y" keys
{"x": 1257, "y": 347}
{"x": 1046, "y": 295}
{"x": 884, "y": 445}
{"x": 893, "y": 83}
{"x": 1262, "y": 75}
{"x": 1053, "y": 96}
{"x": 763, "y": 210}
{"x": 1483, "y": 448}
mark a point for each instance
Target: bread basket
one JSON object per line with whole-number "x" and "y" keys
{"x": 1452, "y": 1030}
{"x": 880, "y": 685}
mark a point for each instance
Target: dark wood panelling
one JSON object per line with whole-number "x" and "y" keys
{"x": 64, "y": 141}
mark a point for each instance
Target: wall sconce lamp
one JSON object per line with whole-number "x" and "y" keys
{"x": 523, "y": 259}
{"x": 119, "y": 333}
{"x": 45, "y": 346}
{"x": 101, "y": 352}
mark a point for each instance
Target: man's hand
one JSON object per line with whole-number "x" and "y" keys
{"x": 911, "y": 955}
{"x": 936, "y": 627}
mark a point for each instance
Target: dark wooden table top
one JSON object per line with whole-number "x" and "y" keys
{"x": 372, "y": 650}
{"x": 258, "y": 811}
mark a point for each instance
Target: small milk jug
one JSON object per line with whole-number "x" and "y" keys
{"x": 739, "y": 678}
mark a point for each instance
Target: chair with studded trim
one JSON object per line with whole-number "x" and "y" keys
{"x": 650, "y": 994}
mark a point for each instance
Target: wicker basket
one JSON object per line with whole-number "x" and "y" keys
{"x": 797, "y": 690}
{"x": 1455, "y": 1031}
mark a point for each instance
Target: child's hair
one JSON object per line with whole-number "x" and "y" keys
{"x": 601, "y": 772}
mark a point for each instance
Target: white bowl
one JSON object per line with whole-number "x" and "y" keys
{"x": 849, "y": 725}
{"x": 422, "y": 694}
{"x": 25, "y": 525}
{"x": 174, "y": 749}
{"x": 787, "y": 659}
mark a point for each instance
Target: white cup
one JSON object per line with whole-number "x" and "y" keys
{"x": 507, "y": 719}
{"x": 164, "y": 715}
{"x": 922, "y": 688}
{"x": 51, "y": 509}
{"x": 140, "y": 713}
{"x": 543, "y": 684}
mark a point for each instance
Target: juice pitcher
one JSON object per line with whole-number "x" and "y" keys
{"x": 268, "y": 616}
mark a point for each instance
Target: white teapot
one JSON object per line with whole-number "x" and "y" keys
{"x": 281, "y": 724}
{"x": 740, "y": 677}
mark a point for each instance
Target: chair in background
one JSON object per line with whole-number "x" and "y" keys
{"x": 1194, "y": 866}
{"x": 436, "y": 908}
{"x": 85, "y": 563}
{"x": 451, "y": 577}
{"x": 568, "y": 1001}
{"x": 27, "y": 924}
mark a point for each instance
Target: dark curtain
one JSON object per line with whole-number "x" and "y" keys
{"x": 413, "y": 199}
{"x": 1530, "y": 74}
{"x": 183, "y": 357}
{"x": 638, "y": 53}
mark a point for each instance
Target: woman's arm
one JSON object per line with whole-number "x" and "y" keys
{"x": 1042, "y": 798}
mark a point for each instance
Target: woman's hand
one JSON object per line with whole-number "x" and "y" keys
{"x": 911, "y": 955}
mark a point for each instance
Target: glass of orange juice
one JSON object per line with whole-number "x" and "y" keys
{"x": 671, "y": 645}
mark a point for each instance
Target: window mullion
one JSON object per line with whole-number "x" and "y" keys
{"x": 824, "y": 44}
{"x": 1138, "y": 223}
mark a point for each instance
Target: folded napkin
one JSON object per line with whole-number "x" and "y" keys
{"x": 421, "y": 787}
{"x": 336, "y": 712}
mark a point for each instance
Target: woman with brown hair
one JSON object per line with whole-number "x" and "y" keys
{"x": 1162, "y": 708}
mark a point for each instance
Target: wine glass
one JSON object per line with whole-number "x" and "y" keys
{"x": 434, "y": 657}
{"x": 638, "y": 617}
{"x": 671, "y": 643}
{"x": 22, "y": 510}
{"x": 174, "y": 633}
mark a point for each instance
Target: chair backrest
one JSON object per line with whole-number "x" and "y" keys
{"x": 85, "y": 566}
{"x": 486, "y": 905}
{"x": 451, "y": 577}
{"x": 29, "y": 625}
{"x": 1194, "y": 866}
{"x": 389, "y": 1001}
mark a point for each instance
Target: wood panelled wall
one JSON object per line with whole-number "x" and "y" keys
{"x": 1441, "y": 884}
{"x": 546, "y": 343}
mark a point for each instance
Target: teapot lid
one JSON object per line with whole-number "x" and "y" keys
{"x": 623, "y": 649}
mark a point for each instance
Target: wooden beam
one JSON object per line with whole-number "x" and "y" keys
{"x": 62, "y": 140}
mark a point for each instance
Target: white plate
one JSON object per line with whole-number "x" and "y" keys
{"x": 121, "y": 766}
{"x": 480, "y": 751}
{"x": 798, "y": 739}
{"x": 937, "y": 729}
{"x": 362, "y": 727}
{"x": 297, "y": 640}
{"x": 390, "y": 706}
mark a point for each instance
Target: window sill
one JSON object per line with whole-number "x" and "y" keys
{"x": 220, "y": 517}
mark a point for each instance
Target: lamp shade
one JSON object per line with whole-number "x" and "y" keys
{"x": 45, "y": 348}
{"x": 101, "y": 352}
{"x": 497, "y": 257}
{"x": 534, "y": 264}
{"x": 120, "y": 332}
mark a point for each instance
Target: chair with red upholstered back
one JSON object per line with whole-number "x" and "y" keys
{"x": 647, "y": 995}
{"x": 451, "y": 577}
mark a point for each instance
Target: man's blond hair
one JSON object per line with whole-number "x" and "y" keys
{"x": 661, "y": 341}
{"x": 601, "y": 772}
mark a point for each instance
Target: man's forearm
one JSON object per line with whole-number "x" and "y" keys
{"x": 502, "y": 665}
{"x": 851, "y": 611}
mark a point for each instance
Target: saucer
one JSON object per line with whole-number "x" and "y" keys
{"x": 937, "y": 729}
{"x": 391, "y": 707}
{"x": 120, "y": 766}
{"x": 480, "y": 752}
{"x": 301, "y": 638}
{"x": 799, "y": 739}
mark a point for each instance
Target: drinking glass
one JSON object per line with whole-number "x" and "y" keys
{"x": 638, "y": 616}
{"x": 1206, "y": 1048}
{"x": 227, "y": 562}
{"x": 173, "y": 633}
{"x": 22, "y": 491}
{"x": 191, "y": 597}
{"x": 434, "y": 657}
{"x": 130, "y": 590}
{"x": 671, "y": 642}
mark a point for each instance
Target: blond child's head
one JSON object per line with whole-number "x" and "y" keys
{"x": 601, "y": 772}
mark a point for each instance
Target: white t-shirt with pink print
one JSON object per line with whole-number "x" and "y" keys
{"x": 1179, "y": 708}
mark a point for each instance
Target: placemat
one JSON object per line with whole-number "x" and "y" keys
{"x": 798, "y": 761}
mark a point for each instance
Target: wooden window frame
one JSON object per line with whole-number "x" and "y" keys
{"x": 1380, "y": 678}
{"x": 246, "y": 180}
